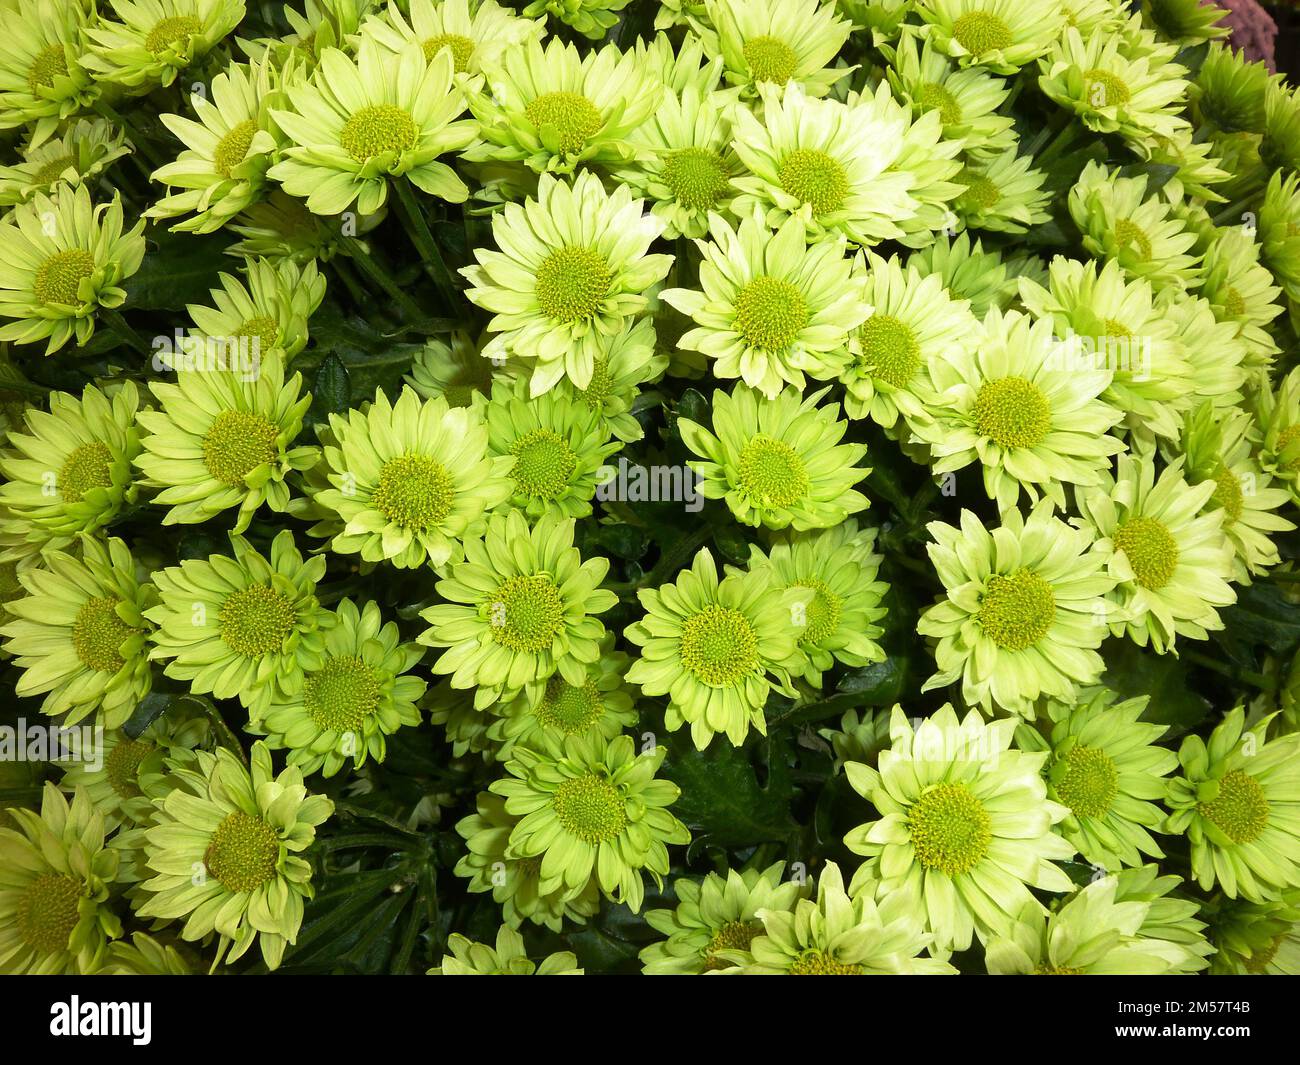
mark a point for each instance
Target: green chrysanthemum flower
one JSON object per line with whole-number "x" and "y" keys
{"x": 144, "y": 956}
{"x": 775, "y": 42}
{"x": 965, "y": 828}
{"x": 1031, "y": 422}
{"x": 1278, "y": 415}
{"x": 1241, "y": 291}
{"x": 55, "y": 875}
{"x": 475, "y": 32}
{"x": 281, "y": 227}
{"x": 717, "y": 648}
{"x": 770, "y": 307}
{"x": 778, "y": 462}
{"x": 64, "y": 258}
{"x": 1230, "y": 92}
{"x": 76, "y": 157}
{"x": 634, "y": 359}
{"x": 1104, "y": 765}
{"x": 355, "y": 692}
{"x": 860, "y": 738}
{"x": 591, "y": 18}
{"x": 465, "y": 725}
{"x": 156, "y": 39}
{"x": 320, "y": 26}
{"x": 592, "y": 808}
{"x": 80, "y": 635}
{"x": 1279, "y": 230}
{"x": 713, "y": 915}
{"x": 1002, "y": 35}
{"x": 266, "y": 315}
{"x": 225, "y": 853}
{"x": 571, "y": 275}
{"x": 222, "y": 439}
{"x": 1023, "y": 613}
{"x": 456, "y": 370}
{"x": 519, "y": 609}
{"x": 1171, "y": 559}
{"x": 1215, "y": 350}
{"x": 1185, "y": 22}
{"x": 1255, "y": 938}
{"x": 967, "y": 271}
{"x": 356, "y": 122}
{"x": 884, "y": 18}
{"x": 71, "y": 471}
{"x": 555, "y": 445}
{"x": 42, "y": 80}
{"x": 1003, "y": 193}
{"x": 507, "y": 958}
{"x": 1237, "y": 801}
{"x": 241, "y": 627}
{"x": 1170, "y": 917}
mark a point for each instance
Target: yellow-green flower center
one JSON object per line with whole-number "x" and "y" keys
{"x": 526, "y": 613}
{"x": 823, "y": 612}
{"x": 572, "y": 283}
{"x": 770, "y": 312}
{"x": 1129, "y": 234}
{"x": 243, "y": 852}
{"x": 122, "y": 766}
{"x": 821, "y": 963}
{"x": 934, "y": 97}
{"x": 233, "y": 147}
{"x": 697, "y": 177}
{"x": 1057, "y": 970}
{"x": 1151, "y": 551}
{"x": 950, "y": 829}
{"x": 735, "y": 935}
{"x": 461, "y": 48}
{"x": 1240, "y": 810}
{"x": 415, "y": 492}
{"x": 98, "y": 633}
{"x": 1259, "y": 960}
{"x": 256, "y": 620}
{"x": 51, "y": 62}
{"x": 59, "y": 277}
{"x": 341, "y": 695}
{"x": 1090, "y": 782}
{"x": 980, "y": 194}
{"x": 814, "y": 178}
{"x": 600, "y": 385}
{"x": 378, "y": 129}
{"x": 1228, "y": 494}
{"x": 769, "y": 59}
{"x": 47, "y": 912}
{"x": 53, "y": 170}
{"x": 890, "y": 352}
{"x": 177, "y": 29}
{"x": 544, "y": 463}
{"x": 568, "y": 709}
{"x": 262, "y": 328}
{"x": 1234, "y": 304}
{"x": 1017, "y": 610}
{"x": 236, "y": 444}
{"x": 979, "y": 32}
{"x": 1285, "y": 439}
{"x": 719, "y": 646}
{"x": 573, "y": 117}
{"x": 771, "y": 473}
{"x": 89, "y": 466}
{"x": 1012, "y": 412}
{"x": 1104, "y": 89}
{"x": 590, "y": 808}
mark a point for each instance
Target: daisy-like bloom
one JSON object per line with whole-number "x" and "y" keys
{"x": 281, "y": 227}
{"x": 507, "y": 958}
{"x": 839, "y": 934}
{"x": 356, "y": 122}
{"x": 456, "y": 370}
{"x": 1093, "y": 933}
{"x": 70, "y": 472}
{"x": 406, "y": 482}
{"x": 860, "y": 737}
{"x": 154, "y": 40}
{"x": 223, "y": 439}
{"x": 1142, "y": 234}
{"x": 518, "y": 609}
{"x": 1171, "y": 917}
{"x": 1237, "y": 803}
{"x": 634, "y": 359}
{"x": 1002, "y": 35}
{"x": 225, "y": 849}
{"x": 1024, "y": 609}
{"x": 1105, "y": 767}
{"x": 827, "y": 163}
{"x": 967, "y": 271}
{"x": 222, "y": 168}
{"x": 1171, "y": 559}
{"x": 1223, "y": 451}
{"x": 1102, "y": 321}
{"x": 913, "y": 323}
{"x": 884, "y": 18}
{"x": 1279, "y": 231}
{"x": 1200, "y": 171}
{"x": 555, "y": 445}
{"x": 1032, "y": 422}
{"x": 591, "y": 807}
{"x": 465, "y": 725}
{"x": 778, "y": 462}
{"x": 55, "y": 875}
{"x": 839, "y": 566}
{"x": 76, "y": 157}
{"x": 1112, "y": 93}
{"x": 713, "y": 915}
{"x": 1216, "y": 351}
{"x": 717, "y": 648}
{"x": 1230, "y": 91}
{"x": 144, "y": 956}
{"x": 571, "y": 275}
{"x": 552, "y": 108}
{"x": 1278, "y": 415}
{"x": 241, "y": 627}
{"x": 42, "y": 80}
{"x": 1185, "y": 22}
{"x": 63, "y": 259}
{"x": 321, "y": 25}
{"x": 356, "y": 692}
{"x": 775, "y": 42}
{"x": 965, "y": 828}
{"x": 513, "y": 882}
{"x": 473, "y": 32}
{"x": 769, "y": 306}
{"x": 1241, "y": 290}
{"x": 591, "y": 18}
{"x": 1255, "y": 938}
{"x": 80, "y": 634}
{"x": 1003, "y": 193}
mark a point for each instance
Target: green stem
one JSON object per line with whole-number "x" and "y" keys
{"x": 422, "y": 236}
{"x": 1256, "y": 680}
{"x": 371, "y": 268}
{"x": 124, "y": 332}
{"x": 349, "y": 280}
